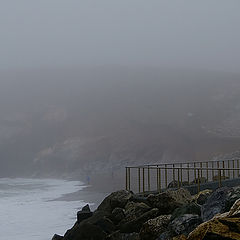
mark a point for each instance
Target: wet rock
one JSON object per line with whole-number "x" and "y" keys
{"x": 185, "y": 224}
{"x": 168, "y": 201}
{"x": 84, "y": 214}
{"x": 215, "y": 204}
{"x": 219, "y": 228}
{"x": 232, "y": 197}
{"x": 117, "y": 215}
{"x": 235, "y": 209}
{"x": 154, "y": 227}
{"x": 191, "y": 208}
{"x": 168, "y": 235}
{"x": 136, "y": 224}
{"x": 123, "y": 236}
{"x": 180, "y": 237}
{"x": 134, "y": 210}
{"x": 85, "y": 231}
{"x": 57, "y": 237}
{"x": 114, "y": 200}
{"x": 202, "y": 196}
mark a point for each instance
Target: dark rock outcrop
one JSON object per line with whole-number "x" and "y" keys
{"x": 191, "y": 208}
{"x": 216, "y": 203}
{"x": 154, "y": 227}
{"x": 136, "y": 224}
{"x": 168, "y": 201}
{"x": 185, "y": 224}
{"x": 57, "y": 237}
{"x": 84, "y": 214}
{"x": 114, "y": 200}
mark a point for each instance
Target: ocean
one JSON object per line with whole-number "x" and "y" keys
{"x": 28, "y": 212}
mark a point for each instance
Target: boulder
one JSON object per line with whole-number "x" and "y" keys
{"x": 215, "y": 204}
{"x": 180, "y": 237}
{"x": 154, "y": 227}
{"x": 85, "y": 231}
{"x": 136, "y": 224}
{"x": 191, "y": 208}
{"x": 57, "y": 237}
{"x": 232, "y": 197}
{"x": 168, "y": 235}
{"x": 122, "y": 236}
{"x": 235, "y": 209}
{"x": 168, "y": 201}
{"x": 117, "y": 215}
{"x": 116, "y": 199}
{"x": 185, "y": 224}
{"x": 202, "y": 196}
{"x": 217, "y": 229}
{"x": 84, "y": 214}
{"x": 134, "y": 210}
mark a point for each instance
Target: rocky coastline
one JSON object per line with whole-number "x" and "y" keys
{"x": 170, "y": 215}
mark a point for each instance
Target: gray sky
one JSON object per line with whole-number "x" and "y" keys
{"x": 178, "y": 33}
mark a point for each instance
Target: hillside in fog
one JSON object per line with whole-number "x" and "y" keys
{"x": 79, "y": 122}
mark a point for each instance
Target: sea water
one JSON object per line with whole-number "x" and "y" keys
{"x": 28, "y": 212}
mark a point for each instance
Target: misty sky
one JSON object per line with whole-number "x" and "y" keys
{"x": 173, "y": 33}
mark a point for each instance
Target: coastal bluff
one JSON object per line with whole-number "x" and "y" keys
{"x": 169, "y": 215}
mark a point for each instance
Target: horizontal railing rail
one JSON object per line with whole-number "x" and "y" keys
{"x": 159, "y": 177}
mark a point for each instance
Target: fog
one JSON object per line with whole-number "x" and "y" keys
{"x": 191, "y": 34}
{"x": 88, "y": 87}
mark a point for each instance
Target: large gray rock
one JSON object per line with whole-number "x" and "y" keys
{"x": 85, "y": 231}
{"x": 134, "y": 210}
{"x": 191, "y": 208}
{"x": 136, "y": 224}
{"x": 117, "y": 215}
{"x": 168, "y": 201}
{"x": 216, "y": 203}
{"x": 154, "y": 227}
{"x": 185, "y": 224}
{"x": 114, "y": 200}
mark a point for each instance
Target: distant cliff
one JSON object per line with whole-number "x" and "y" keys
{"x": 85, "y": 122}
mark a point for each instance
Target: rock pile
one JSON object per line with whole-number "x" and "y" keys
{"x": 171, "y": 215}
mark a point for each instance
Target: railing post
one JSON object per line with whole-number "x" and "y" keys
{"x": 188, "y": 174}
{"x": 223, "y": 165}
{"x": 219, "y": 178}
{"x": 233, "y": 165}
{"x": 201, "y": 168}
{"x": 166, "y": 176}
{"x": 139, "y": 180}
{"x": 126, "y": 178}
{"x": 229, "y": 168}
{"x": 129, "y": 178}
{"x": 173, "y": 174}
{"x": 178, "y": 184}
{"x": 143, "y": 179}
{"x": 157, "y": 179}
{"x": 198, "y": 181}
{"x": 212, "y": 171}
{"x": 195, "y": 173}
{"x": 181, "y": 174}
{"x": 238, "y": 167}
{"x": 207, "y": 170}
{"x": 149, "y": 184}
{"x": 160, "y": 180}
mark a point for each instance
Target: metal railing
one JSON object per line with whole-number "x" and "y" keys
{"x": 158, "y": 177}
